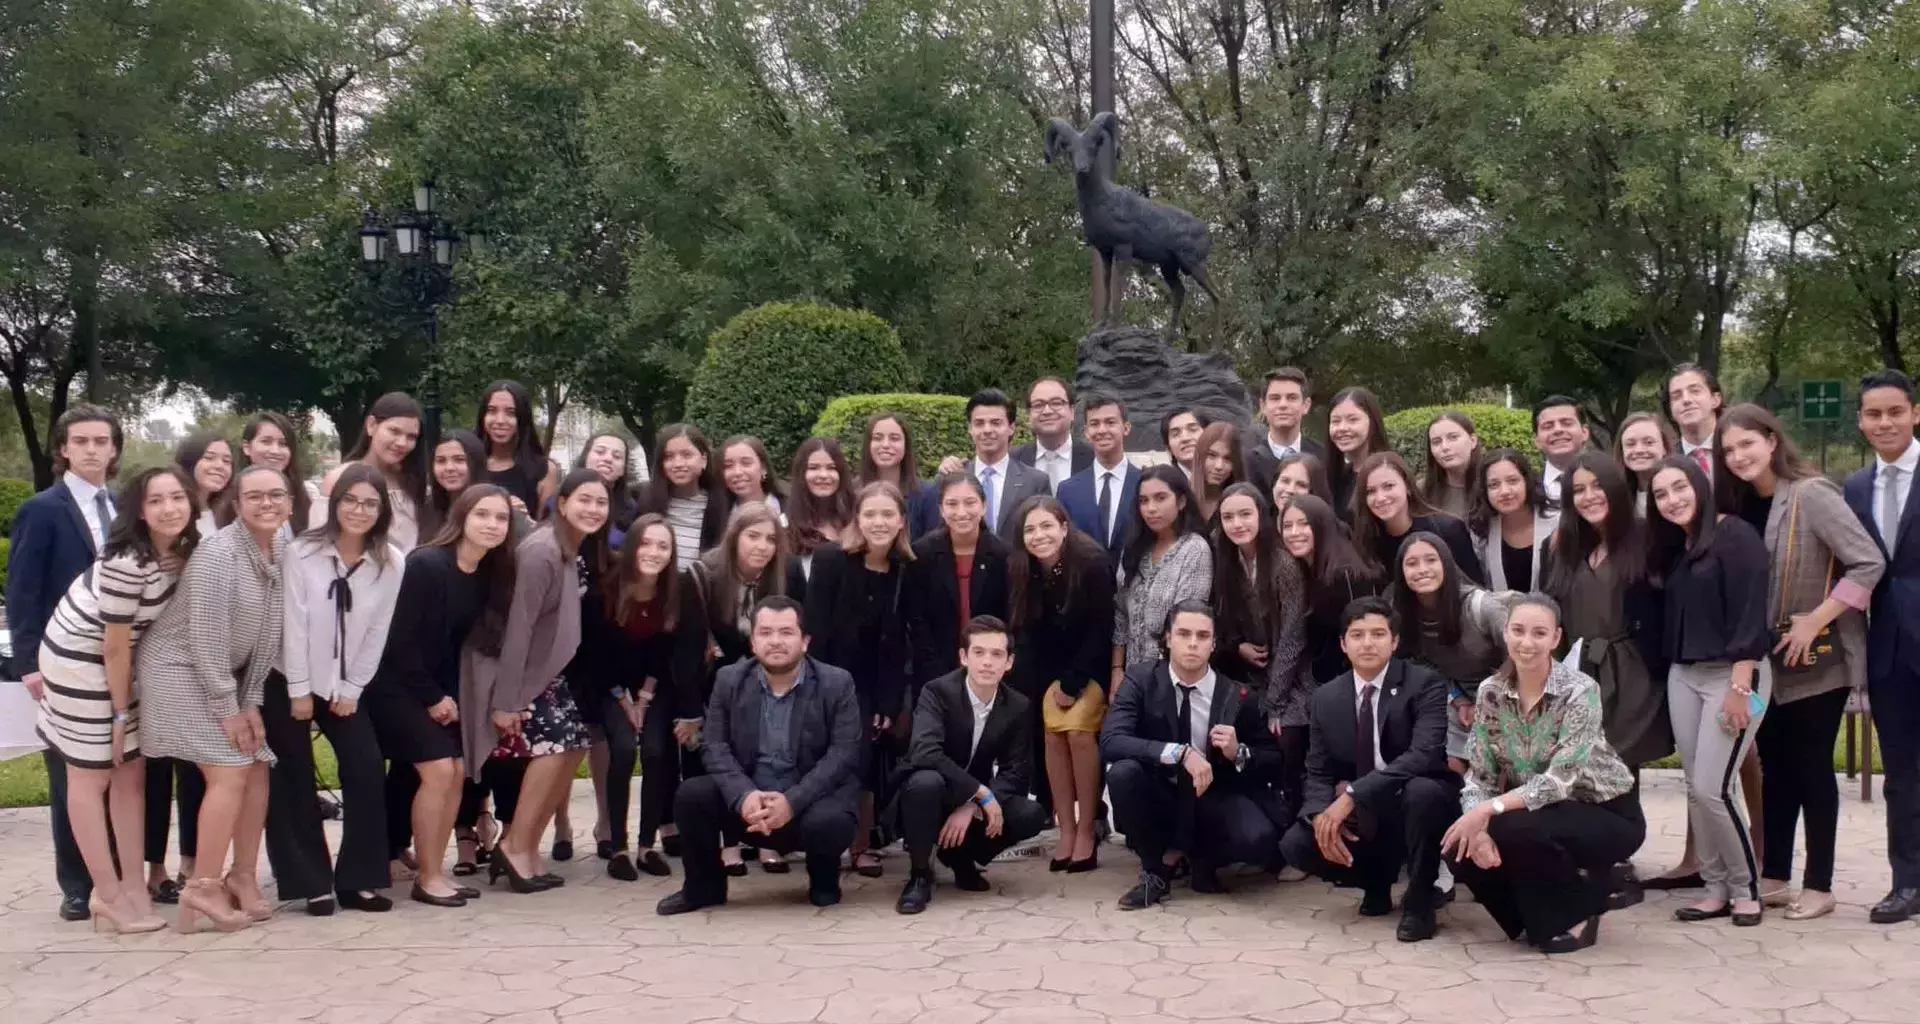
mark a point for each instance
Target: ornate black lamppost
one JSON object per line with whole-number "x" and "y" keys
{"x": 418, "y": 245}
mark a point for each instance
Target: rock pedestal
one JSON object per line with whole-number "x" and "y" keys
{"x": 1136, "y": 366}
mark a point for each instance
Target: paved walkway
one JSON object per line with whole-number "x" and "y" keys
{"x": 1041, "y": 948}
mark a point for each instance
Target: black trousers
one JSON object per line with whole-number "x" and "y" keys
{"x": 925, "y": 804}
{"x": 1555, "y": 864}
{"x": 163, "y": 775}
{"x": 69, "y": 867}
{"x": 295, "y": 839}
{"x": 1392, "y": 831}
{"x": 663, "y": 763}
{"x": 1796, "y": 769}
{"x": 1896, "y": 719}
{"x": 1293, "y": 769}
{"x": 1156, "y": 809}
{"x": 824, "y": 831}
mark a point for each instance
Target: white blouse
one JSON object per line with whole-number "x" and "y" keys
{"x": 335, "y": 633}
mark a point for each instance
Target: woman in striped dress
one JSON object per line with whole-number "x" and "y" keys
{"x": 203, "y": 677}
{"x": 87, "y": 659}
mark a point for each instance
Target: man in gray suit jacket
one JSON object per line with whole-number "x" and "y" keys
{"x": 782, "y": 750}
{"x": 1007, "y": 481}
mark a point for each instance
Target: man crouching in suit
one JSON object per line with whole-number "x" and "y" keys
{"x": 1378, "y": 791}
{"x": 782, "y": 746}
{"x": 1192, "y": 764}
{"x": 963, "y": 786}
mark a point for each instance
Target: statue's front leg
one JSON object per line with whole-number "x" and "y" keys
{"x": 1117, "y": 281}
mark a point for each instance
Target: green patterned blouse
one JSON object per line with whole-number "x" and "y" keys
{"x": 1558, "y": 752}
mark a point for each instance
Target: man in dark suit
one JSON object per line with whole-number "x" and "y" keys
{"x": 1881, "y": 496}
{"x": 1099, "y": 497}
{"x": 1377, "y": 791}
{"x": 1054, "y": 450}
{"x": 1006, "y": 480}
{"x": 1191, "y": 765}
{"x": 56, "y": 535}
{"x": 782, "y": 746}
{"x": 964, "y": 783}
{"x": 1286, "y": 396}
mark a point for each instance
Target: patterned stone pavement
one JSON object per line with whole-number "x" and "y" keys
{"x": 1041, "y": 948}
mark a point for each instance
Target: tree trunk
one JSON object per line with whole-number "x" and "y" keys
{"x": 86, "y": 327}
{"x": 1890, "y": 336}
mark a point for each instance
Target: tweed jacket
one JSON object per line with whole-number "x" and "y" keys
{"x": 1824, "y": 528}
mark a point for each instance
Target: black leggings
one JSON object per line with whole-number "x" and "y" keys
{"x": 1796, "y": 771}
{"x": 162, "y": 775}
{"x": 664, "y": 763}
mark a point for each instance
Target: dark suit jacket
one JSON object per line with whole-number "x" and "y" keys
{"x": 51, "y": 546}
{"x": 1029, "y": 453}
{"x": 1263, "y": 465}
{"x": 1081, "y": 496}
{"x": 1412, "y": 712}
{"x": 1893, "y": 628}
{"x": 1144, "y": 718}
{"x": 1022, "y": 482}
{"x": 933, "y": 595}
{"x": 943, "y": 734}
{"x": 827, "y": 734}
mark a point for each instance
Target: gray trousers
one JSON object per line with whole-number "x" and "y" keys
{"x": 1711, "y": 756}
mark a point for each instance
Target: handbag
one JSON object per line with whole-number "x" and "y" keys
{"x": 1822, "y": 646}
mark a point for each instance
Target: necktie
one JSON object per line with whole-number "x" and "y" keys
{"x": 993, "y": 498}
{"x": 1106, "y": 509}
{"x": 1890, "y": 507}
{"x": 1704, "y": 458}
{"x": 1186, "y": 713}
{"x": 1363, "y": 756}
{"x": 105, "y": 512}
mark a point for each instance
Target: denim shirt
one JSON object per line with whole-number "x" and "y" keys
{"x": 775, "y": 769}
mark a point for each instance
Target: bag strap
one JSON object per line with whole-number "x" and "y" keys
{"x": 1786, "y": 562}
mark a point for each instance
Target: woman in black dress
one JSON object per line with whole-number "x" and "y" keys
{"x": 1387, "y": 508}
{"x": 515, "y": 460}
{"x": 454, "y": 596}
{"x": 856, "y": 614}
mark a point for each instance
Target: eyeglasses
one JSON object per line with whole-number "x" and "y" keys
{"x": 1049, "y": 403}
{"x": 368, "y": 505}
{"x": 264, "y": 497}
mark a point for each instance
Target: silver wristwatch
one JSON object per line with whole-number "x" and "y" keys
{"x": 1499, "y": 805}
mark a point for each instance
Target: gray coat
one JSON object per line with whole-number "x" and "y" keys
{"x": 1825, "y": 531}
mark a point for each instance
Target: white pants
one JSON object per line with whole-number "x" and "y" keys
{"x": 1712, "y": 755}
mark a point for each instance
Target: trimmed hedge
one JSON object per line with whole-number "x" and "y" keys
{"x": 1498, "y": 427}
{"x": 12, "y": 494}
{"x": 771, "y": 370}
{"x": 938, "y": 424}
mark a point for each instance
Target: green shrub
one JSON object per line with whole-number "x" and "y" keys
{"x": 938, "y": 424}
{"x": 12, "y": 493}
{"x": 771, "y": 370}
{"x": 1498, "y": 427}
{"x": 6, "y": 551}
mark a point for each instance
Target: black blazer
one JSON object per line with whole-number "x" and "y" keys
{"x": 1326, "y": 603}
{"x": 675, "y": 659}
{"x": 1450, "y": 529}
{"x": 833, "y": 616}
{"x": 1143, "y": 719}
{"x": 943, "y": 736}
{"x": 828, "y": 739}
{"x": 1717, "y": 598}
{"x": 1029, "y": 453}
{"x": 51, "y": 547}
{"x": 1893, "y": 630}
{"x": 1073, "y": 646}
{"x": 1263, "y": 465}
{"x": 1412, "y": 712}
{"x": 933, "y": 594}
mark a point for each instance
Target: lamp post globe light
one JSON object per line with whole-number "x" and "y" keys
{"x": 419, "y": 246}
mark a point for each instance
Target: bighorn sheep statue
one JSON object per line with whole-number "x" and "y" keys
{"x": 1122, "y": 225}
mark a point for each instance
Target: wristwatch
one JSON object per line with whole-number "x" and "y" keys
{"x": 1499, "y": 805}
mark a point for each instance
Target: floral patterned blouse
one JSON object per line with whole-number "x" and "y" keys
{"x": 1558, "y": 752}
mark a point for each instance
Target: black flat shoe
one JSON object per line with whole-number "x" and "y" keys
{"x": 1691, "y": 914}
{"x": 467, "y": 892}
{"x": 1059, "y": 863}
{"x": 1747, "y": 920}
{"x": 420, "y": 895}
{"x": 603, "y": 849}
{"x": 737, "y": 870}
{"x": 562, "y": 849}
{"x": 372, "y": 903}
{"x": 1084, "y": 865}
{"x": 166, "y": 891}
{"x": 681, "y": 903}
{"x": 652, "y": 863}
{"x": 1567, "y": 942}
{"x": 873, "y": 870}
{"x": 670, "y": 845}
{"x": 321, "y": 906}
{"x": 620, "y": 866}
{"x": 776, "y": 867}
{"x": 1662, "y": 883}
{"x": 1376, "y": 903}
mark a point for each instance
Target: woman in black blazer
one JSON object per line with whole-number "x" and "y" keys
{"x": 1387, "y": 507}
{"x": 1336, "y": 574}
{"x": 934, "y": 578}
{"x": 856, "y": 617}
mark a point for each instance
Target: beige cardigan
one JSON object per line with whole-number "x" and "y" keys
{"x": 1825, "y": 527}
{"x": 542, "y": 633}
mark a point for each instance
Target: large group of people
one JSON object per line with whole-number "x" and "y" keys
{"x": 1267, "y": 651}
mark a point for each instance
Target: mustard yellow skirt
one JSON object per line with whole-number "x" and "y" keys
{"x": 1085, "y": 715}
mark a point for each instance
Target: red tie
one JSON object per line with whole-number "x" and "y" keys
{"x": 1704, "y": 458}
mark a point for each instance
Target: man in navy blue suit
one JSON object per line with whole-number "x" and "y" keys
{"x": 56, "y": 535}
{"x": 1099, "y": 499}
{"x": 1880, "y": 495}
{"x": 1285, "y": 397}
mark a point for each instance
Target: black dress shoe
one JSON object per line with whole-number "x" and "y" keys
{"x": 74, "y": 908}
{"x": 682, "y": 903}
{"x": 620, "y": 866}
{"x": 1899, "y": 905}
{"x": 737, "y": 870}
{"x": 1085, "y": 864}
{"x": 372, "y": 902}
{"x": 778, "y": 866}
{"x": 562, "y": 849}
{"x": 1152, "y": 889}
{"x": 1059, "y": 863}
{"x": 824, "y": 895}
{"x": 604, "y": 849}
{"x": 1696, "y": 914}
{"x": 1205, "y": 880}
{"x": 652, "y": 863}
{"x": 1662, "y": 883}
{"x": 1416, "y": 925}
{"x": 916, "y": 895}
{"x": 1567, "y": 942}
{"x": 1376, "y": 903}
{"x": 966, "y": 874}
{"x": 1443, "y": 897}
{"x": 420, "y": 895}
{"x": 322, "y": 906}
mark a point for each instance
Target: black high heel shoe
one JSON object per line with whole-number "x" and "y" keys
{"x": 1569, "y": 943}
{"x": 1059, "y": 863}
{"x": 1084, "y": 865}
{"x": 500, "y": 865}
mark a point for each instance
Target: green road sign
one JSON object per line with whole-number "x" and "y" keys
{"x": 1820, "y": 401}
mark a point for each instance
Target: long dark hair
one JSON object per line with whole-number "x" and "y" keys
{"x": 188, "y": 455}
{"x": 1340, "y": 475}
{"x": 813, "y": 521}
{"x": 296, "y": 466}
{"x": 328, "y": 533}
{"x": 1446, "y": 605}
{"x": 592, "y": 547}
{"x": 1481, "y": 518}
{"x": 497, "y": 566}
{"x": 1333, "y": 550}
{"x": 439, "y": 499}
{"x": 1140, "y": 539}
{"x": 620, "y": 497}
{"x": 1433, "y": 483}
{"x": 1316, "y": 476}
{"x": 1729, "y": 490}
{"x": 771, "y": 485}
{"x": 1621, "y": 533}
{"x": 413, "y": 470}
{"x": 528, "y": 454}
{"x": 1026, "y": 587}
{"x": 129, "y": 534}
{"x": 1672, "y": 542}
{"x": 1367, "y": 528}
{"x": 617, "y": 587}
{"x": 1244, "y": 609}
{"x": 909, "y": 468}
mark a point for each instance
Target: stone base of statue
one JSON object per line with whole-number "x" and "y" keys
{"x": 1135, "y": 365}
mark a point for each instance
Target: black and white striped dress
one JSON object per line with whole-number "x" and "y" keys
{"x": 76, "y": 715}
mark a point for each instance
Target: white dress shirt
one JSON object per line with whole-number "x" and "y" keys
{"x": 84, "y": 493}
{"x": 1908, "y": 461}
{"x": 1359, "y": 685}
{"x": 1102, "y": 474}
{"x": 327, "y": 653}
{"x": 1281, "y": 451}
{"x": 1057, "y": 463}
{"x": 994, "y": 492}
{"x": 980, "y": 712}
{"x": 1198, "y": 716}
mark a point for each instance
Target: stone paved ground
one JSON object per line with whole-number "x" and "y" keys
{"x": 1041, "y": 948}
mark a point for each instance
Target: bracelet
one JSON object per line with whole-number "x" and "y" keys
{"x": 121, "y": 718}
{"x": 986, "y": 800}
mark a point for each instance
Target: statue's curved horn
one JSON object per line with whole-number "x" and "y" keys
{"x": 1059, "y": 136}
{"x": 1108, "y": 122}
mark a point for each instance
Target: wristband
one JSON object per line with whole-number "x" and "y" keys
{"x": 984, "y": 800}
